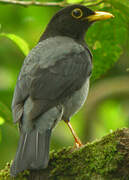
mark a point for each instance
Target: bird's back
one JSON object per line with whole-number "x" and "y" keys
{"x": 61, "y": 59}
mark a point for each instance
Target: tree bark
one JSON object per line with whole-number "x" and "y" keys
{"x": 104, "y": 159}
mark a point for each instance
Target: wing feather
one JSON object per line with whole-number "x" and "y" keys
{"x": 49, "y": 84}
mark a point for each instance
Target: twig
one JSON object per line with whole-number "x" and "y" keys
{"x": 95, "y": 4}
{"x": 31, "y": 3}
{"x": 37, "y": 3}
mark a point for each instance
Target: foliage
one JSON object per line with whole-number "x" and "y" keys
{"x": 107, "y": 38}
{"x": 19, "y": 42}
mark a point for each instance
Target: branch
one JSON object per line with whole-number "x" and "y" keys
{"x": 107, "y": 158}
{"x": 90, "y": 3}
{"x": 37, "y": 3}
{"x": 31, "y": 3}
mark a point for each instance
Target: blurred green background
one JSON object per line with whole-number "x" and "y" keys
{"x": 107, "y": 106}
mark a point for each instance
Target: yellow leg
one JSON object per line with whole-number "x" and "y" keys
{"x": 77, "y": 140}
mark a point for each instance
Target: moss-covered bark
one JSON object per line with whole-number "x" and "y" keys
{"x": 107, "y": 158}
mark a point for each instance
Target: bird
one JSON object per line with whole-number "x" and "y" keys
{"x": 53, "y": 84}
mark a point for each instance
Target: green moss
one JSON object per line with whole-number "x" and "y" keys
{"x": 5, "y": 174}
{"x": 99, "y": 157}
{"x": 96, "y": 160}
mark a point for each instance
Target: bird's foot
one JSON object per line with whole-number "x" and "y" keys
{"x": 78, "y": 143}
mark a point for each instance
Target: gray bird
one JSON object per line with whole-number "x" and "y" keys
{"x": 53, "y": 84}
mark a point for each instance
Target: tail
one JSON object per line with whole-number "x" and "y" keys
{"x": 32, "y": 152}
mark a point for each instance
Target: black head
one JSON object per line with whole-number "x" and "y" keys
{"x": 73, "y": 21}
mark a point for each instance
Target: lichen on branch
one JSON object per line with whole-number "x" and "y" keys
{"x": 107, "y": 158}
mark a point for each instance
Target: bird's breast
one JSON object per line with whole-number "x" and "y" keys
{"x": 76, "y": 101}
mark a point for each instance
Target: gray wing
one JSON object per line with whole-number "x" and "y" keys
{"x": 48, "y": 81}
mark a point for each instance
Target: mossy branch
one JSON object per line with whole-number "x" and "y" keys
{"x": 107, "y": 158}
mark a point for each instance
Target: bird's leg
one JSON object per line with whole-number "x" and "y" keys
{"x": 78, "y": 142}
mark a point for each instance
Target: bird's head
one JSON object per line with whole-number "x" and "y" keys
{"x": 73, "y": 21}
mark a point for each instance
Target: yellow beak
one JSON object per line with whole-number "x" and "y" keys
{"x": 99, "y": 15}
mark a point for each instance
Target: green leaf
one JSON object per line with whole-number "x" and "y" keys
{"x": 122, "y": 6}
{"x": 73, "y": 1}
{"x": 22, "y": 44}
{"x": 5, "y": 113}
{"x": 105, "y": 39}
{"x": 2, "y": 121}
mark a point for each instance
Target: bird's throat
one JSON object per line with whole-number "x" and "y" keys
{"x": 78, "y": 35}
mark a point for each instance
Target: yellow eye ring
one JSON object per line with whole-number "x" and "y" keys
{"x": 77, "y": 13}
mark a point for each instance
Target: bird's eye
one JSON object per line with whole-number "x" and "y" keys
{"x": 77, "y": 13}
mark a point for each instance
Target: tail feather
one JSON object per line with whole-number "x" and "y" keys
{"x": 32, "y": 152}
